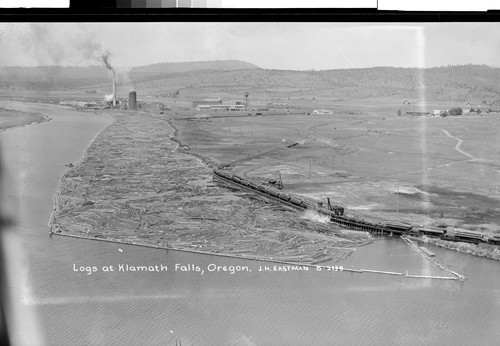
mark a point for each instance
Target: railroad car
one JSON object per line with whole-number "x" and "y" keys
{"x": 273, "y": 192}
{"x": 398, "y": 227}
{"x": 262, "y": 188}
{"x": 236, "y": 178}
{"x": 253, "y": 185}
{"x": 296, "y": 200}
{"x": 309, "y": 204}
{"x": 495, "y": 239}
{"x": 432, "y": 232}
{"x": 223, "y": 174}
{"x": 471, "y": 236}
{"x": 458, "y": 234}
{"x": 284, "y": 196}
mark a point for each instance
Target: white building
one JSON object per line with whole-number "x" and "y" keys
{"x": 322, "y": 111}
{"x": 220, "y": 107}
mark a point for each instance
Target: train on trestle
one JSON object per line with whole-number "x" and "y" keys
{"x": 337, "y": 215}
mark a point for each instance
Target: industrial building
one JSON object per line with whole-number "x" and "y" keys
{"x": 217, "y": 105}
{"x": 322, "y": 111}
{"x": 274, "y": 105}
{"x": 220, "y": 107}
{"x": 206, "y": 102}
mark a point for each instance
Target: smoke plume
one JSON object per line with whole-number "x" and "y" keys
{"x": 314, "y": 216}
{"x": 58, "y": 44}
{"x": 51, "y": 45}
{"x": 105, "y": 59}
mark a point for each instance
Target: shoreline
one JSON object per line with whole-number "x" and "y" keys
{"x": 56, "y": 229}
{"x": 302, "y": 259}
{"x": 43, "y": 118}
{"x": 467, "y": 248}
{"x": 239, "y": 238}
{"x": 243, "y": 257}
{"x": 60, "y": 179}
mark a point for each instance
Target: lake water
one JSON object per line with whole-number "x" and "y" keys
{"x": 219, "y": 308}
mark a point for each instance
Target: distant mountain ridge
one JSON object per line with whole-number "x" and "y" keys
{"x": 165, "y": 70}
{"x": 454, "y": 83}
{"x": 80, "y": 76}
{"x": 177, "y": 67}
{"x": 450, "y": 83}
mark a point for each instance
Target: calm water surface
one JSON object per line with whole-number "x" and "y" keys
{"x": 220, "y": 308}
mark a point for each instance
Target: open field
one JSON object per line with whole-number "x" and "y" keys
{"x": 445, "y": 169}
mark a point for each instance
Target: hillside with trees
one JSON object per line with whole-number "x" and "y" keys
{"x": 160, "y": 70}
{"x": 450, "y": 83}
{"x": 72, "y": 77}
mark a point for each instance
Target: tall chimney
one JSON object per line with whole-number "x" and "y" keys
{"x": 114, "y": 91}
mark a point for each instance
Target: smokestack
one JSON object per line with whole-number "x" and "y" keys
{"x": 114, "y": 90}
{"x": 107, "y": 63}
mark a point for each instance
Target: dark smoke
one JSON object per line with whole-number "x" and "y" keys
{"x": 107, "y": 63}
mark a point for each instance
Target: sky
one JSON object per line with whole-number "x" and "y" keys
{"x": 286, "y": 46}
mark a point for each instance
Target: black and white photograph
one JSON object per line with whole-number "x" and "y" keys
{"x": 250, "y": 183}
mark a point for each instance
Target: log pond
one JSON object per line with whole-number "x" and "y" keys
{"x": 219, "y": 307}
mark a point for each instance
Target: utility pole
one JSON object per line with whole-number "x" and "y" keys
{"x": 397, "y": 200}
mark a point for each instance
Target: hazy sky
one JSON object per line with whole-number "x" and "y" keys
{"x": 296, "y": 46}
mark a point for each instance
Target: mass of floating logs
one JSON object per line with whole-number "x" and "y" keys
{"x": 134, "y": 186}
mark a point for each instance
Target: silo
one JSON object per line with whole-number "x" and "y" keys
{"x": 132, "y": 100}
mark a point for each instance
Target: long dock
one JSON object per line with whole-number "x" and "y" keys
{"x": 427, "y": 256}
{"x": 264, "y": 259}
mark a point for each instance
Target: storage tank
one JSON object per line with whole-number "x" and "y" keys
{"x": 132, "y": 100}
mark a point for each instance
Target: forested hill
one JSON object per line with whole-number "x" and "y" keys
{"x": 183, "y": 67}
{"x": 70, "y": 77}
{"x": 458, "y": 83}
